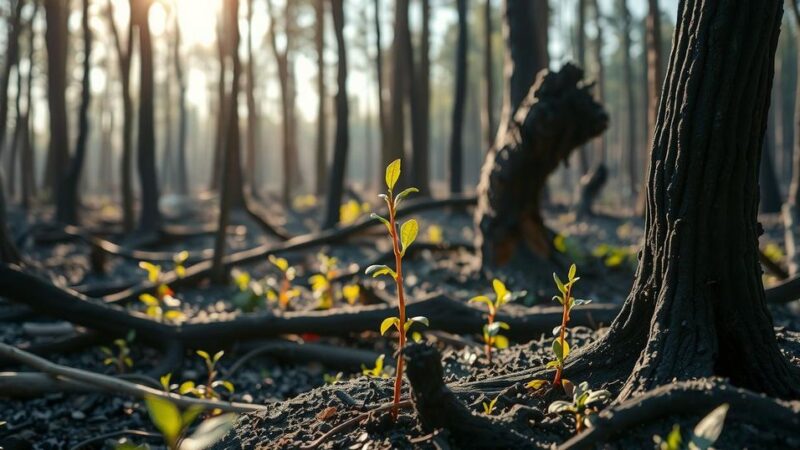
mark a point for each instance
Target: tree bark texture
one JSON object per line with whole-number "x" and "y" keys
{"x": 456, "y": 158}
{"x": 488, "y": 77}
{"x": 791, "y": 210}
{"x": 56, "y": 37}
{"x": 557, "y": 116}
{"x": 321, "y": 159}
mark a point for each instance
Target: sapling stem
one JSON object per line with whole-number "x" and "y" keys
{"x": 562, "y": 333}
{"x": 401, "y": 305}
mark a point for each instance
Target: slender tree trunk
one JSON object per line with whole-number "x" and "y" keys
{"x": 15, "y": 139}
{"x": 67, "y": 197}
{"x": 419, "y": 97}
{"x": 400, "y": 64}
{"x": 219, "y": 142}
{"x": 183, "y": 177}
{"x": 124, "y": 50}
{"x": 630, "y": 99}
{"x": 28, "y": 154}
{"x": 791, "y": 210}
{"x": 488, "y": 77}
{"x": 655, "y": 72}
{"x": 322, "y": 122}
{"x": 583, "y": 157}
{"x": 252, "y": 110}
{"x": 150, "y": 216}
{"x": 10, "y": 59}
{"x": 339, "y": 166}
{"x": 459, "y": 98}
{"x": 383, "y": 121}
{"x": 600, "y": 75}
{"x": 56, "y": 43}
{"x": 769, "y": 190}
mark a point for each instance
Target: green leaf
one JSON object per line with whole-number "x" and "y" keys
{"x": 572, "y": 271}
{"x": 500, "y": 291}
{"x": 180, "y": 257}
{"x": 418, "y": 319}
{"x": 560, "y": 406}
{"x": 500, "y": 342}
{"x": 190, "y": 414}
{"x": 165, "y": 416}
{"x": 536, "y": 384}
{"x": 165, "y": 381}
{"x": 404, "y": 194}
{"x": 481, "y": 299}
{"x": 204, "y": 355}
{"x": 408, "y": 233}
{"x": 380, "y": 269}
{"x": 383, "y": 220}
{"x": 186, "y": 387}
{"x": 392, "y": 174}
{"x": 218, "y": 355}
{"x": 209, "y": 432}
{"x": 388, "y": 323}
{"x": 552, "y": 365}
{"x": 560, "y": 351}
{"x": 559, "y": 284}
{"x": 495, "y": 328}
{"x": 709, "y": 429}
{"x": 148, "y": 300}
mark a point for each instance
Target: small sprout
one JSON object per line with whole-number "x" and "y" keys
{"x": 162, "y": 306}
{"x": 488, "y": 408}
{"x": 379, "y": 371}
{"x": 165, "y": 382}
{"x": 584, "y": 404}
{"x": 251, "y": 294}
{"x": 180, "y": 263}
{"x": 173, "y": 425}
{"x": 560, "y": 346}
{"x": 208, "y": 391}
{"x": 321, "y": 284}
{"x": 491, "y": 331}
{"x": 435, "y": 234}
{"x": 704, "y": 435}
{"x": 153, "y": 271}
{"x": 390, "y": 322}
{"x": 350, "y": 211}
{"x": 121, "y": 358}
{"x": 332, "y": 379}
{"x": 351, "y": 293}
{"x": 285, "y": 291}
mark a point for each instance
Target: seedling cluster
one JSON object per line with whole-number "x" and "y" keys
{"x": 209, "y": 390}
{"x": 583, "y": 405}
{"x": 120, "y": 357}
{"x": 174, "y": 425}
{"x": 704, "y": 435}
{"x": 401, "y": 240}
{"x": 163, "y": 306}
{"x": 491, "y": 331}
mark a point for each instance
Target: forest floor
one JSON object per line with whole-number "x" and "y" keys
{"x": 307, "y": 398}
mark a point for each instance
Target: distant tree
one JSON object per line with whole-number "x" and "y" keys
{"x": 67, "y": 198}
{"x": 25, "y": 140}
{"x": 124, "y": 50}
{"x": 631, "y": 146}
{"x": 182, "y": 181}
{"x": 488, "y": 76}
{"x": 655, "y": 72}
{"x": 382, "y": 119}
{"x": 342, "y": 141}
{"x": 56, "y": 38}
{"x": 791, "y": 210}
{"x": 459, "y": 98}
{"x": 400, "y": 73}
{"x": 252, "y": 109}
{"x": 322, "y": 122}
{"x": 419, "y": 96}
{"x": 580, "y": 47}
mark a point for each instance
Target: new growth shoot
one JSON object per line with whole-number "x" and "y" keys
{"x": 491, "y": 331}
{"x": 401, "y": 240}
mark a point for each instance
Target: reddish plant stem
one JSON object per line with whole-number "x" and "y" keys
{"x": 562, "y": 335}
{"x": 401, "y": 305}
{"x": 489, "y": 339}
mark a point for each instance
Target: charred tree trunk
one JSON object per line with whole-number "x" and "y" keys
{"x": 342, "y": 141}
{"x": 600, "y": 78}
{"x": 583, "y": 158}
{"x": 655, "y": 72}
{"x": 56, "y": 37}
{"x": 557, "y": 116}
{"x": 697, "y": 307}
{"x": 383, "y": 122}
{"x": 770, "y": 194}
{"x": 630, "y": 99}
{"x": 791, "y": 210}
{"x": 419, "y": 96}
{"x": 17, "y": 134}
{"x": 27, "y": 163}
{"x": 322, "y": 117}
{"x": 67, "y": 198}
{"x": 400, "y": 64}
{"x": 488, "y": 76}
{"x": 8, "y": 251}
{"x": 124, "y": 51}
{"x": 11, "y": 59}
{"x": 459, "y": 99}
{"x": 182, "y": 181}
{"x": 150, "y": 216}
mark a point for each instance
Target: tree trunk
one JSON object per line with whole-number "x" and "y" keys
{"x": 16, "y": 137}
{"x": 219, "y": 141}
{"x": 419, "y": 96}
{"x": 459, "y": 99}
{"x": 322, "y": 122}
{"x": 183, "y": 177}
{"x": 770, "y": 194}
{"x": 630, "y": 99}
{"x": 655, "y": 75}
{"x": 488, "y": 77}
{"x": 67, "y": 197}
{"x": 557, "y": 116}
{"x": 400, "y": 64}
{"x": 27, "y": 157}
{"x": 383, "y": 121}
{"x": 8, "y": 251}
{"x": 124, "y": 50}
{"x": 791, "y": 210}
{"x": 697, "y": 307}
{"x": 583, "y": 158}
{"x": 600, "y": 78}
{"x": 525, "y": 32}
{"x": 56, "y": 36}
{"x": 150, "y": 216}
{"x": 339, "y": 166}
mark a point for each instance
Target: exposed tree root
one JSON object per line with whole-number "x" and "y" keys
{"x": 105, "y": 383}
{"x": 330, "y": 356}
{"x": 444, "y": 314}
{"x": 694, "y": 398}
{"x": 786, "y": 291}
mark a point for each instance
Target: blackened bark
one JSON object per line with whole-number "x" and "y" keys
{"x": 558, "y": 115}
{"x": 589, "y": 188}
{"x": 769, "y": 190}
{"x": 600, "y": 78}
{"x": 11, "y": 58}
{"x": 56, "y": 37}
{"x": 27, "y": 158}
{"x": 655, "y": 72}
{"x": 67, "y": 198}
{"x": 419, "y": 96}
{"x": 400, "y": 64}
{"x": 342, "y": 140}
{"x": 525, "y": 33}
{"x": 630, "y": 99}
{"x": 124, "y": 51}
{"x": 383, "y": 122}
{"x": 150, "y": 216}
{"x": 583, "y": 159}
{"x": 791, "y": 210}
{"x": 488, "y": 77}
{"x": 8, "y": 251}
{"x": 322, "y": 118}
{"x": 459, "y": 99}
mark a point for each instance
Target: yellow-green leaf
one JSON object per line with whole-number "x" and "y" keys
{"x": 559, "y": 284}
{"x": 148, "y": 300}
{"x": 165, "y": 416}
{"x": 572, "y": 270}
{"x": 536, "y": 384}
{"x": 281, "y": 263}
{"x": 181, "y": 257}
{"x": 500, "y": 291}
{"x": 392, "y": 174}
{"x": 186, "y": 387}
{"x": 500, "y": 342}
{"x": 389, "y": 322}
{"x": 408, "y": 233}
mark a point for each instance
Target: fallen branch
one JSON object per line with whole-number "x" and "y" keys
{"x": 689, "y": 397}
{"x": 328, "y": 355}
{"x": 786, "y": 291}
{"x": 105, "y": 383}
{"x": 444, "y": 313}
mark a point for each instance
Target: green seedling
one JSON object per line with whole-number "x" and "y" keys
{"x": 321, "y": 284}
{"x": 162, "y": 306}
{"x": 401, "y": 240}
{"x": 332, "y": 378}
{"x": 379, "y": 371}
{"x": 174, "y": 424}
{"x": 250, "y": 295}
{"x": 180, "y": 259}
{"x": 488, "y": 407}
{"x": 351, "y": 293}
{"x": 121, "y": 358}
{"x": 615, "y": 256}
{"x": 491, "y": 331}
{"x": 583, "y": 405}
{"x": 561, "y": 348}
{"x": 704, "y": 435}
{"x": 351, "y": 210}
{"x": 209, "y": 390}
{"x": 285, "y": 291}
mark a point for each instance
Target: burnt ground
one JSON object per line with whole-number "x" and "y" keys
{"x": 604, "y": 248}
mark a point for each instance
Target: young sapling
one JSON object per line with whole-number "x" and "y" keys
{"x": 491, "y": 331}
{"x": 584, "y": 403}
{"x": 285, "y": 291}
{"x": 321, "y": 284}
{"x": 208, "y": 390}
{"x": 378, "y": 371}
{"x": 488, "y": 407}
{"x": 173, "y": 425}
{"x": 704, "y": 435}
{"x": 401, "y": 240}
{"x": 162, "y": 306}
{"x": 121, "y": 358}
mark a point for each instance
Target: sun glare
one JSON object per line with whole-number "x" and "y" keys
{"x": 197, "y": 19}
